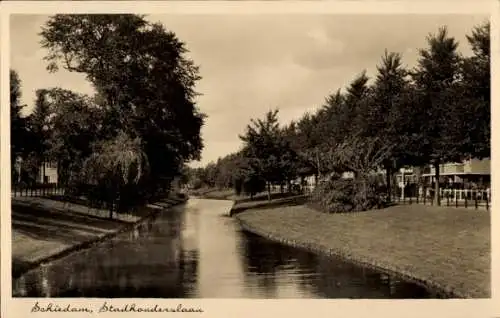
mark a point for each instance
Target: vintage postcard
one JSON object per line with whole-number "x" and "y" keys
{"x": 248, "y": 158}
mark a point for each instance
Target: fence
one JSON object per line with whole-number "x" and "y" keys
{"x": 36, "y": 190}
{"x": 467, "y": 198}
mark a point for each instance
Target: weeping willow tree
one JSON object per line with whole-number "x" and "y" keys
{"x": 114, "y": 171}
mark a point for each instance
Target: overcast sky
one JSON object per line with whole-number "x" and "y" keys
{"x": 253, "y": 63}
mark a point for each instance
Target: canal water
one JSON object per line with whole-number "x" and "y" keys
{"x": 195, "y": 251}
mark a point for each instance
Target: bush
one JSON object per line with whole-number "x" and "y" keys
{"x": 346, "y": 195}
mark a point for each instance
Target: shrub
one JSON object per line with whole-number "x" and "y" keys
{"x": 347, "y": 195}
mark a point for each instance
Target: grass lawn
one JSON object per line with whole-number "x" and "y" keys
{"x": 446, "y": 247}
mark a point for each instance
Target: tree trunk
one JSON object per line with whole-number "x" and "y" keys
{"x": 388, "y": 175}
{"x": 43, "y": 177}
{"x": 317, "y": 162}
{"x": 269, "y": 191}
{"x": 437, "y": 198}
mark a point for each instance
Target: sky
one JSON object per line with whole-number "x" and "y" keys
{"x": 251, "y": 64}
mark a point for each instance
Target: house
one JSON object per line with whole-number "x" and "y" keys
{"x": 466, "y": 174}
{"x": 47, "y": 173}
{"x": 469, "y": 173}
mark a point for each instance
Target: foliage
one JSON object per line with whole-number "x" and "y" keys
{"x": 269, "y": 151}
{"x": 116, "y": 166}
{"x": 144, "y": 90}
{"x": 133, "y": 138}
{"x": 434, "y": 113}
{"x": 339, "y": 195}
{"x": 120, "y": 159}
{"x": 19, "y": 133}
{"x": 436, "y": 79}
{"x": 475, "y": 95}
{"x": 361, "y": 155}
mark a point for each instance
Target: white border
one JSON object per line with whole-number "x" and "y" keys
{"x": 252, "y": 308}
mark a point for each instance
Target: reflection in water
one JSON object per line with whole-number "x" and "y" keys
{"x": 192, "y": 251}
{"x": 317, "y": 275}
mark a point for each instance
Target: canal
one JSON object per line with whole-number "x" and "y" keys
{"x": 195, "y": 251}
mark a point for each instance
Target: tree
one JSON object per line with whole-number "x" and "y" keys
{"x": 144, "y": 82}
{"x": 305, "y": 143}
{"x": 67, "y": 125}
{"x": 19, "y": 134}
{"x": 387, "y": 111}
{"x": 271, "y": 154}
{"x": 435, "y": 78}
{"x": 41, "y": 129}
{"x": 247, "y": 178}
{"x": 353, "y": 116}
{"x": 113, "y": 167}
{"x": 475, "y": 95}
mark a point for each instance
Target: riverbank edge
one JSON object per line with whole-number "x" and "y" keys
{"x": 361, "y": 260}
{"x": 90, "y": 243}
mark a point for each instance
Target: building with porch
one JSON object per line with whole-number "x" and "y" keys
{"x": 468, "y": 174}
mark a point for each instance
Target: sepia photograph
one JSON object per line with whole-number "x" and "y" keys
{"x": 259, "y": 156}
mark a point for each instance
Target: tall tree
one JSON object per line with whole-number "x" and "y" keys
{"x": 40, "y": 127}
{"x": 435, "y": 77}
{"x": 355, "y": 103}
{"x": 18, "y": 135}
{"x": 144, "y": 81}
{"x": 475, "y": 95}
{"x": 387, "y": 112}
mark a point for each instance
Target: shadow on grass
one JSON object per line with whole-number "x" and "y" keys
{"x": 263, "y": 196}
{"x": 284, "y": 201}
{"x": 139, "y": 211}
{"x": 40, "y": 210}
{"x": 56, "y": 226}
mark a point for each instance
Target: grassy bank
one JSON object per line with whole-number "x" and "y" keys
{"x": 262, "y": 202}
{"x": 44, "y": 230}
{"x": 214, "y": 194}
{"x": 229, "y": 194}
{"x": 447, "y": 249}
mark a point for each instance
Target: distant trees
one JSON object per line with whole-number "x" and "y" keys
{"x": 437, "y": 112}
{"x": 269, "y": 151}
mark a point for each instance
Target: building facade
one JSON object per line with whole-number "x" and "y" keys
{"x": 48, "y": 173}
{"x": 468, "y": 174}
